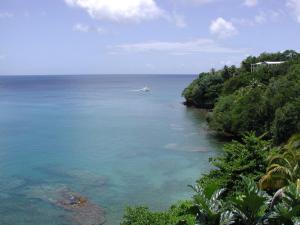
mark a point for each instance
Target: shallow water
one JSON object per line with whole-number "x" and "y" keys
{"x": 97, "y": 137}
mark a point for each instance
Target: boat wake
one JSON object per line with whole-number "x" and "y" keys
{"x": 144, "y": 89}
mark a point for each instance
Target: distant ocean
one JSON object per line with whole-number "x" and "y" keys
{"x": 99, "y": 137}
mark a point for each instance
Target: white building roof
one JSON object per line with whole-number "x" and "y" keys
{"x": 270, "y": 63}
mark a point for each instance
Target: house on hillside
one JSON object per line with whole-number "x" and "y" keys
{"x": 265, "y": 63}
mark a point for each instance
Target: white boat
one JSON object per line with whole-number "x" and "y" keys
{"x": 145, "y": 89}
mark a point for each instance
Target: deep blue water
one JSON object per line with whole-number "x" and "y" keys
{"x": 96, "y": 136}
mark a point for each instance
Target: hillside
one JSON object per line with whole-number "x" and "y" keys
{"x": 265, "y": 100}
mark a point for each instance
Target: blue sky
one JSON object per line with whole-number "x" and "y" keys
{"x": 141, "y": 36}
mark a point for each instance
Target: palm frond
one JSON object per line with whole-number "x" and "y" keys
{"x": 280, "y": 171}
{"x": 280, "y": 160}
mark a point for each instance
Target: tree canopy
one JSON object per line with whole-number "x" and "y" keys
{"x": 265, "y": 100}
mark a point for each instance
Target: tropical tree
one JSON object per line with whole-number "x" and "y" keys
{"x": 284, "y": 166}
{"x": 241, "y": 112}
{"x": 246, "y": 157}
{"x": 182, "y": 213}
{"x": 286, "y": 121}
{"x": 204, "y": 91}
{"x": 209, "y": 204}
{"x": 287, "y": 212}
{"x": 247, "y": 208}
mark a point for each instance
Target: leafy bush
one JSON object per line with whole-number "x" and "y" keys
{"x": 287, "y": 121}
{"x": 241, "y": 112}
{"x": 287, "y": 211}
{"x": 204, "y": 91}
{"x": 209, "y": 204}
{"x": 233, "y": 84}
{"x": 248, "y": 207}
{"x": 246, "y": 158}
{"x": 183, "y": 213}
{"x": 283, "y": 166}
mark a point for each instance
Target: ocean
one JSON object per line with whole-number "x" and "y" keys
{"x": 99, "y": 137}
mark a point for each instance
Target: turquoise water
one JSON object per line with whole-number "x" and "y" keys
{"x": 95, "y": 136}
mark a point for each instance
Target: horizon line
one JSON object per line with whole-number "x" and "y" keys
{"x": 102, "y": 74}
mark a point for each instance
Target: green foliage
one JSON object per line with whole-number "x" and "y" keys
{"x": 284, "y": 88}
{"x": 265, "y": 100}
{"x": 180, "y": 214}
{"x": 287, "y": 121}
{"x": 246, "y": 157}
{"x": 235, "y": 83}
{"x": 261, "y": 108}
{"x": 229, "y": 72}
{"x": 247, "y": 208}
{"x": 287, "y": 55}
{"x": 204, "y": 91}
{"x": 241, "y": 112}
{"x": 284, "y": 166}
{"x": 208, "y": 202}
{"x": 142, "y": 216}
{"x": 287, "y": 212}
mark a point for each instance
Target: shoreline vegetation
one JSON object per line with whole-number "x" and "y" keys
{"x": 256, "y": 180}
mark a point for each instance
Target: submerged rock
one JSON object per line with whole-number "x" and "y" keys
{"x": 83, "y": 212}
{"x": 71, "y": 200}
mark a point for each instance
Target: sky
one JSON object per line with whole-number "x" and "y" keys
{"x": 42, "y": 37}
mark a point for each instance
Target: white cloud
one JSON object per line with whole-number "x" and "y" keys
{"x": 193, "y": 2}
{"x": 202, "y": 1}
{"x": 81, "y": 28}
{"x": 269, "y": 16}
{"x": 222, "y": 28}
{"x": 294, "y": 6}
{"x": 179, "y": 20}
{"x": 6, "y": 15}
{"x": 250, "y": 3}
{"x": 116, "y": 10}
{"x": 260, "y": 18}
{"x": 263, "y": 17}
{"x": 175, "y": 48}
{"x": 242, "y": 21}
{"x": 86, "y": 28}
{"x": 276, "y": 15}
